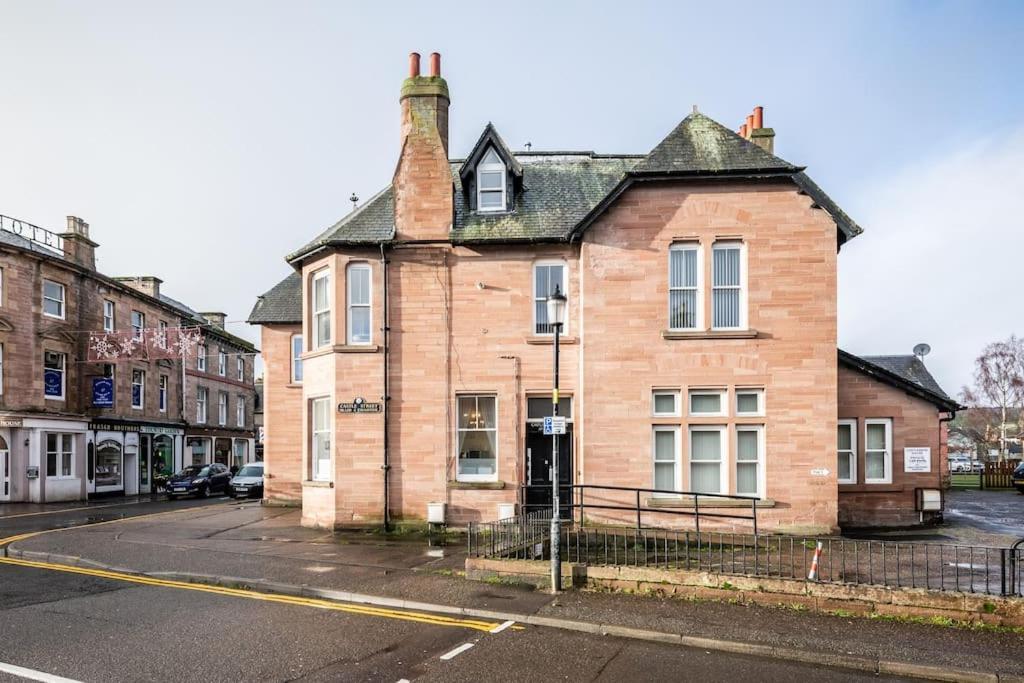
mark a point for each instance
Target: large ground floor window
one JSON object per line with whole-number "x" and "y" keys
{"x": 200, "y": 451}
{"x": 222, "y": 451}
{"x": 109, "y": 465}
{"x": 241, "y": 454}
{"x": 477, "y": 427}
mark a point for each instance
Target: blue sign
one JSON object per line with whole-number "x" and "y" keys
{"x": 103, "y": 392}
{"x": 554, "y": 425}
{"x": 53, "y": 382}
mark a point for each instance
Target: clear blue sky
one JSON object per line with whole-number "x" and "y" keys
{"x": 204, "y": 140}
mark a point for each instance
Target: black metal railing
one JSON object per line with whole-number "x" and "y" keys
{"x": 578, "y": 498}
{"x": 934, "y": 566}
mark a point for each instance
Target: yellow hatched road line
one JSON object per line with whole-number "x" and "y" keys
{"x": 366, "y": 610}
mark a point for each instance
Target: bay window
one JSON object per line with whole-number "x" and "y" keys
{"x": 359, "y": 310}
{"x": 320, "y": 435}
{"x": 477, "y": 429}
{"x": 321, "y": 308}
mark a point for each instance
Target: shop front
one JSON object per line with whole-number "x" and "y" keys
{"x": 41, "y": 458}
{"x": 229, "y": 448}
{"x": 129, "y": 458}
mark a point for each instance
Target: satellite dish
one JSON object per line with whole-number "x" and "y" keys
{"x": 922, "y": 350}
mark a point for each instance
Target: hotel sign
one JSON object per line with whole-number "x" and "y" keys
{"x": 359, "y": 405}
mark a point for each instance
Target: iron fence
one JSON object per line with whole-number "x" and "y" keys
{"x": 934, "y": 566}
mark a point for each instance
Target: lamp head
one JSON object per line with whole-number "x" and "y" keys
{"x": 556, "y": 307}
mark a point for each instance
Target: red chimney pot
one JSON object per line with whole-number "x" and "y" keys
{"x": 435, "y": 64}
{"x": 743, "y": 130}
{"x": 414, "y": 64}
{"x": 758, "y": 117}
{"x": 750, "y": 124}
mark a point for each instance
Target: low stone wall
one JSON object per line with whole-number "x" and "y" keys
{"x": 821, "y": 597}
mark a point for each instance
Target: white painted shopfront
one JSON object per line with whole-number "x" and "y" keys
{"x": 130, "y": 458}
{"x": 42, "y": 459}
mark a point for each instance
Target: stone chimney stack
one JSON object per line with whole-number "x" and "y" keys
{"x": 215, "y": 318}
{"x": 422, "y": 184}
{"x": 147, "y": 284}
{"x": 755, "y": 131}
{"x": 78, "y": 248}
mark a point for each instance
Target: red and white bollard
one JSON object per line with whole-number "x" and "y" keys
{"x": 813, "y": 575}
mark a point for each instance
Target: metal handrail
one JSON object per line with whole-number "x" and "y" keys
{"x": 578, "y": 502}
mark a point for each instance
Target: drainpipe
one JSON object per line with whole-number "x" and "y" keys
{"x": 387, "y": 398}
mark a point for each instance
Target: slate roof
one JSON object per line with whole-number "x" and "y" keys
{"x": 282, "y": 303}
{"x": 905, "y": 372}
{"x": 562, "y": 193}
{"x": 702, "y": 146}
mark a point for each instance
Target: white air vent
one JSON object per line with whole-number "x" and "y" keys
{"x": 435, "y": 513}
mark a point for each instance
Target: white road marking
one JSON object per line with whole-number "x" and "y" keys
{"x": 33, "y": 675}
{"x": 502, "y": 626}
{"x": 457, "y": 651}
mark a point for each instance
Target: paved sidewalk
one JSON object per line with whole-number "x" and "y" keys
{"x": 267, "y": 544}
{"x": 20, "y": 509}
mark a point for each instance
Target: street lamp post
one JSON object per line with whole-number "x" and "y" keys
{"x": 556, "y": 318}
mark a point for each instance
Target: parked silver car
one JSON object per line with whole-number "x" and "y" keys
{"x": 248, "y": 482}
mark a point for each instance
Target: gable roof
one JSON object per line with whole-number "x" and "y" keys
{"x": 563, "y": 193}
{"x": 700, "y": 145}
{"x": 282, "y": 303}
{"x": 489, "y": 138}
{"x": 903, "y": 372}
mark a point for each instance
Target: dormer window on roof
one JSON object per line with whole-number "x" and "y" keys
{"x": 490, "y": 183}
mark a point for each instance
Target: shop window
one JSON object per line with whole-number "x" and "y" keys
{"x": 222, "y": 451}
{"x": 109, "y": 466}
{"x": 60, "y": 456}
{"x": 200, "y": 454}
{"x": 163, "y": 455}
{"x": 477, "y": 438}
{"x": 241, "y": 454}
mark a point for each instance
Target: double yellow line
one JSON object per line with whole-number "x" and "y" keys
{"x": 366, "y": 610}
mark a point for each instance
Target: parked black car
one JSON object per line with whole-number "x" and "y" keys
{"x": 199, "y": 480}
{"x": 1018, "y": 478}
{"x": 248, "y": 482}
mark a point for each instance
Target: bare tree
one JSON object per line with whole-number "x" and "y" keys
{"x": 999, "y": 382}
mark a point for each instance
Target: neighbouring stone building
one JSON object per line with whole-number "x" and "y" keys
{"x": 71, "y": 427}
{"x": 408, "y": 358}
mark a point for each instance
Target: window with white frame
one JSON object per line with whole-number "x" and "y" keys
{"x": 297, "y": 358}
{"x": 749, "y": 460}
{"x": 60, "y": 456}
{"x": 320, "y": 448}
{"x": 709, "y": 402}
{"x": 707, "y": 459}
{"x": 546, "y": 276}
{"x": 665, "y": 403}
{"x": 1, "y": 286}
{"x": 749, "y": 402}
{"x": 138, "y": 388}
{"x": 138, "y": 324}
{"x": 684, "y": 287}
{"x": 728, "y": 299}
{"x": 490, "y": 183}
{"x": 53, "y": 299}
{"x": 878, "y": 451}
{"x": 359, "y": 309}
{"x": 240, "y": 411}
{"x": 846, "y": 467}
{"x": 108, "y": 316}
{"x": 202, "y": 396}
{"x": 222, "y": 408}
{"x": 665, "y": 448}
{"x": 54, "y": 371}
{"x": 222, "y": 363}
{"x": 162, "y": 327}
{"x": 201, "y": 358}
{"x": 477, "y": 427}
{"x": 1, "y": 369}
{"x": 162, "y": 393}
{"x": 240, "y": 368}
{"x": 321, "y": 308}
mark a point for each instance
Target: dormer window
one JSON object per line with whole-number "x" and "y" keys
{"x": 490, "y": 183}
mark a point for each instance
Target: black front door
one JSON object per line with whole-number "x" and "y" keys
{"x": 538, "y": 469}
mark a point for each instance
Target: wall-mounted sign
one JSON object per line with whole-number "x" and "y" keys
{"x": 32, "y": 472}
{"x": 112, "y": 427}
{"x": 153, "y": 429}
{"x": 103, "y": 392}
{"x": 917, "y": 459}
{"x": 53, "y": 382}
{"x": 554, "y": 425}
{"x": 820, "y": 472}
{"x": 10, "y": 421}
{"x": 359, "y": 405}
